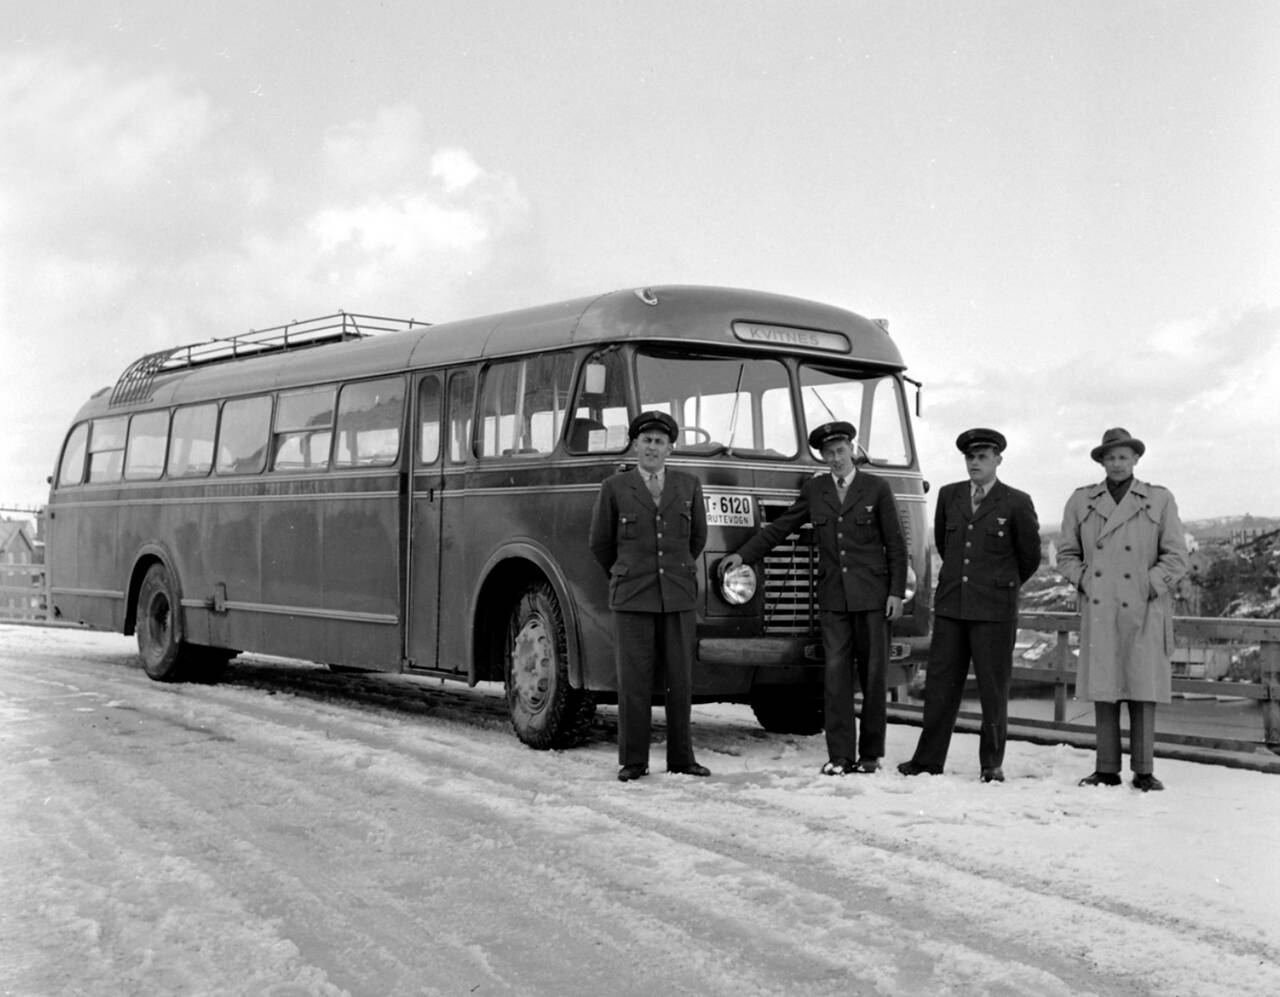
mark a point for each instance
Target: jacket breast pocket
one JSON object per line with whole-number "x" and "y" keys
{"x": 865, "y": 528}
{"x": 627, "y": 522}
{"x": 684, "y": 524}
{"x": 997, "y": 539}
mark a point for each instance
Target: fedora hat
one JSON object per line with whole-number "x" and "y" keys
{"x": 1117, "y": 438}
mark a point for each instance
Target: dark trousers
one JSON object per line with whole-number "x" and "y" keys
{"x": 989, "y": 645}
{"x": 1142, "y": 736}
{"x": 648, "y": 645}
{"x": 856, "y": 647}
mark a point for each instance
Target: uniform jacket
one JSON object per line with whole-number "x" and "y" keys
{"x": 862, "y": 558}
{"x": 650, "y": 550}
{"x": 986, "y": 555}
{"x": 1125, "y": 560}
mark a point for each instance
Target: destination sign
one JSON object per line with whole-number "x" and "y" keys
{"x": 785, "y": 335}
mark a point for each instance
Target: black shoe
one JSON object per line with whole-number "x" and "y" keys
{"x": 629, "y": 772}
{"x": 839, "y": 766}
{"x": 915, "y": 768}
{"x": 993, "y": 775}
{"x": 867, "y": 765}
{"x": 1101, "y": 779}
{"x": 1147, "y": 783}
{"x": 693, "y": 768}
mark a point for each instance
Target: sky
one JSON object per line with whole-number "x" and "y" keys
{"x": 1069, "y": 213}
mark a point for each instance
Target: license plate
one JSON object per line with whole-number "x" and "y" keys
{"x": 724, "y": 509}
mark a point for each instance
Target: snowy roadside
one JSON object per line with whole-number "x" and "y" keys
{"x": 296, "y": 832}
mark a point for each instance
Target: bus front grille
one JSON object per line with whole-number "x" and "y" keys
{"x": 790, "y": 582}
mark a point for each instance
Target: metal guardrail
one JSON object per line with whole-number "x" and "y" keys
{"x": 1061, "y": 670}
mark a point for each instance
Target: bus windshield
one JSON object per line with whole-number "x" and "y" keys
{"x": 744, "y": 405}
{"x": 736, "y": 404}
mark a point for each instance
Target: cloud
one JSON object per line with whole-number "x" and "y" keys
{"x": 1182, "y": 388}
{"x": 142, "y": 224}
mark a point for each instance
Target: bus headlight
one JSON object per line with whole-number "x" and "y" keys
{"x": 738, "y": 586}
{"x": 912, "y": 582}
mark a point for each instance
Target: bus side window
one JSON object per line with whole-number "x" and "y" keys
{"x": 303, "y": 430}
{"x": 429, "y": 420}
{"x": 523, "y": 404}
{"x": 106, "y": 449}
{"x": 71, "y": 470}
{"x": 191, "y": 440}
{"x": 242, "y": 435}
{"x": 461, "y": 405}
{"x": 148, "y": 439}
{"x": 369, "y": 417}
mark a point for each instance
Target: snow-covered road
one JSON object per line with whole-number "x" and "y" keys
{"x": 293, "y": 831}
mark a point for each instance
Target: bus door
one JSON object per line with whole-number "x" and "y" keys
{"x": 422, "y": 613}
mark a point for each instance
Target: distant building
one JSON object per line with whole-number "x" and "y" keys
{"x": 20, "y": 587}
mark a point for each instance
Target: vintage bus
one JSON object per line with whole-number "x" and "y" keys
{"x": 417, "y": 500}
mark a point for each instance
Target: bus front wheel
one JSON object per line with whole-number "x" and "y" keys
{"x": 788, "y": 709}
{"x": 166, "y": 657}
{"x": 546, "y": 711}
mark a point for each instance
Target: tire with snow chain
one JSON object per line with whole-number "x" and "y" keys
{"x": 546, "y": 711}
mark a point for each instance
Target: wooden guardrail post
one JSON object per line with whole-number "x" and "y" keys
{"x": 1270, "y": 677}
{"x": 1062, "y": 661}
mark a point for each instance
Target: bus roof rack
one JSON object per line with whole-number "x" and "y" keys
{"x": 134, "y": 385}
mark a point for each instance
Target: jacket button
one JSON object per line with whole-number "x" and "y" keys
{"x": 1097, "y": 574}
{"x": 659, "y": 571}
{"x": 1124, "y": 605}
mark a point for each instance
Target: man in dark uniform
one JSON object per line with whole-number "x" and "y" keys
{"x": 862, "y": 578}
{"x": 989, "y": 539}
{"x": 647, "y": 530}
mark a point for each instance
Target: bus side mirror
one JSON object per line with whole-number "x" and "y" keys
{"x": 593, "y": 379}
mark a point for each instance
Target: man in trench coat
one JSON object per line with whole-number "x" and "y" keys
{"x": 1124, "y": 549}
{"x": 647, "y": 530}
{"x": 862, "y": 578}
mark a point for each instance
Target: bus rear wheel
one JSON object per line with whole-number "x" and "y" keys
{"x": 166, "y": 657}
{"x": 788, "y": 709}
{"x": 546, "y": 711}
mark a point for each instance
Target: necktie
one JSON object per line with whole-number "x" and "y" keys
{"x": 977, "y": 497}
{"x": 841, "y": 487}
{"x": 655, "y": 486}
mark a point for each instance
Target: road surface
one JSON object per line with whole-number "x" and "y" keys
{"x": 293, "y": 831}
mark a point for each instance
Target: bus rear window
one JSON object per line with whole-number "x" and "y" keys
{"x": 71, "y": 470}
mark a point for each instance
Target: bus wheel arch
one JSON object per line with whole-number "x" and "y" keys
{"x": 156, "y": 618}
{"x": 523, "y": 636}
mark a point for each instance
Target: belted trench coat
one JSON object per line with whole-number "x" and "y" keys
{"x": 1125, "y": 560}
